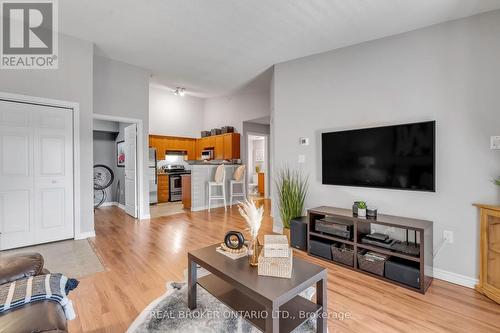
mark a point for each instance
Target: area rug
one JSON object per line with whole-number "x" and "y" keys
{"x": 75, "y": 258}
{"x": 170, "y": 313}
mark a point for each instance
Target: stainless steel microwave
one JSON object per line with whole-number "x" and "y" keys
{"x": 207, "y": 154}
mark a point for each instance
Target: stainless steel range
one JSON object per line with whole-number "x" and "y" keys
{"x": 175, "y": 188}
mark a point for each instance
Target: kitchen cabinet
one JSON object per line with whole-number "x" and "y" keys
{"x": 219, "y": 147}
{"x": 186, "y": 191}
{"x": 231, "y": 146}
{"x": 164, "y": 143}
{"x": 163, "y": 188}
{"x": 225, "y": 146}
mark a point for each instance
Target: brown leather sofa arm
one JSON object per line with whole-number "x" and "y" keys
{"x": 19, "y": 266}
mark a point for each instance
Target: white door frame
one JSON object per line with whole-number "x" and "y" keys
{"x": 139, "y": 160}
{"x": 75, "y": 108}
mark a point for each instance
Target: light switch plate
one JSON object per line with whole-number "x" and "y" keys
{"x": 495, "y": 142}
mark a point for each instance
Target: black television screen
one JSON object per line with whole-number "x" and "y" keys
{"x": 397, "y": 157}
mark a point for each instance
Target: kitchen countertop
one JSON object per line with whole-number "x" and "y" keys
{"x": 211, "y": 162}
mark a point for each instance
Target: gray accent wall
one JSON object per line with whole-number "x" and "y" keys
{"x": 122, "y": 90}
{"x": 449, "y": 73}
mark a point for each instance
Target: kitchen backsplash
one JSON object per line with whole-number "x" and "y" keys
{"x": 175, "y": 160}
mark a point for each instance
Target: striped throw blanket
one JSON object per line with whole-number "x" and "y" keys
{"x": 52, "y": 287}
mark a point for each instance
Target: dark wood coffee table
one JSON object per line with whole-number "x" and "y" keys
{"x": 275, "y": 300}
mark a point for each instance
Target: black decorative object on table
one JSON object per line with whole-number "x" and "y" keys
{"x": 234, "y": 240}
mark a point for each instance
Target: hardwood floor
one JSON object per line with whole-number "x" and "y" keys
{"x": 141, "y": 257}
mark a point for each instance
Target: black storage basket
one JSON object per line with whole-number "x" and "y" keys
{"x": 375, "y": 267}
{"x": 343, "y": 254}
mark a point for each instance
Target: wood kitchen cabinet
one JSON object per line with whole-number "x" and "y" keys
{"x": 489, "y": 273}
{"x": 186, "y": 191}
{"x": 163, "y": 188}
{"x": 164, "y": 143}
{"x": 219, "y": 147}
{"x": 231, "y": 146}
{"x": 225, "y": 146}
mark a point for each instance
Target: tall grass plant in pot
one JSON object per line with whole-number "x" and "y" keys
{"x": 292, "y": 188}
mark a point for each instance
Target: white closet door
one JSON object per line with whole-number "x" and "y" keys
{"x": 130, "y": 170}
{"x": 36, "y": 174}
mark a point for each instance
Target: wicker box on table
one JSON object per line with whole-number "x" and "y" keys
{"x": 276, "y": 266}
{"x": 276, "y": 246}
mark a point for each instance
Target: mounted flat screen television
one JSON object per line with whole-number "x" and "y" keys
{"x": 395, "y": 157}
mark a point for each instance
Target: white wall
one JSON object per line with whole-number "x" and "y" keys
{"x": 122, "y": 90}
{"x": 449, "y": 73}
{"x": 174, "y": 115}
{"x": 106, "y": 126}
{"x": 233, "y": 110}
{"x": 71, "y": 82}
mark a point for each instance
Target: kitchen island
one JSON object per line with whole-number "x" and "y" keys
{"x": 201, "y": 174}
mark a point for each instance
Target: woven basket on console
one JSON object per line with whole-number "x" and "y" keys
{"x": 375, "y": 267}
{"x": 344, "y": 255}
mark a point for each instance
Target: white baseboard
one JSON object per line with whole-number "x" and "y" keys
{"x": 119, "y": 205}
{"x": 110, "y": 203}
{"x": 455, "y": 278}
{"x": 145, "y": 217}
{"x": 85, "y": 235}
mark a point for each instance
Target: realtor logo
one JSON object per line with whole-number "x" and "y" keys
{"x": 29, "y": 38}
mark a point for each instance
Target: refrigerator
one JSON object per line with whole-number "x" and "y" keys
{"x": 153, "y": 177}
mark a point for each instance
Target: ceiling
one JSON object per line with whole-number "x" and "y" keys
{"x": 213, "y": 47}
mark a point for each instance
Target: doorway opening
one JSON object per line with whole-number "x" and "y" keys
{"x": 257, "y": 165}
{"x": 116, "y": 161}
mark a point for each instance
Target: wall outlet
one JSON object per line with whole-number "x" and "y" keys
{"x": 302, "y": 158}
{"x": 495, "y": 142}
{"x": 448, "y": 236}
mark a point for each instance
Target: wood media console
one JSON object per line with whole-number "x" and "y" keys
{"x": 409, "y": 257}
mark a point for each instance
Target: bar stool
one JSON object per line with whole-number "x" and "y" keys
{"x": 219, "y": 181}
{"x": 238, "y": 179}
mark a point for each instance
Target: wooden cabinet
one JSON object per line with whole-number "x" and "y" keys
{"x": 164, "y": 143}
{"x": 489, "y": 274}
{"x": 231, "y": 146}
{"x": 186, "y": 191}
{"x": 261, "y": 183}
{"x": 219, "y": 147}
{"x": 162, "y": 188}
{"x": 225, "y": 146}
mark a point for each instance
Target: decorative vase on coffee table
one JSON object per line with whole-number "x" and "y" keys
{"x": 254, "y": 252}
{"x": 253, "y": 217}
